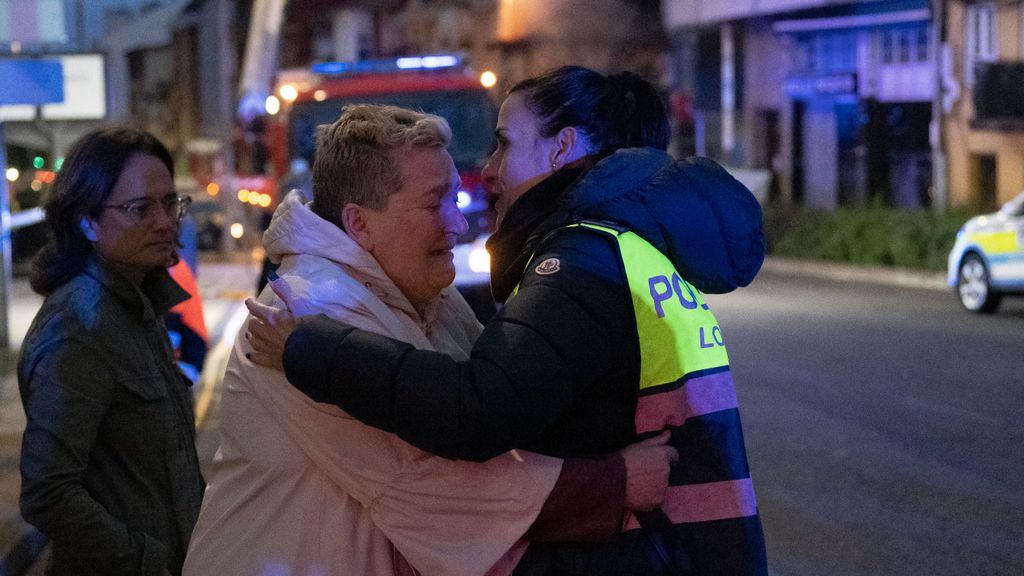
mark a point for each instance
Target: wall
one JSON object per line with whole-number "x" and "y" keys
{"x": 609, "y": 36}
{"x": 766, "y": 65}
{"x": 820, "y": 153}
{"x": 962, "y": 142}
{"x": 684, "y": 13}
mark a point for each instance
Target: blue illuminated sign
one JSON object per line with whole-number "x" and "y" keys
{"x": 31, "y": 81}
{"x": 825, "y": 85}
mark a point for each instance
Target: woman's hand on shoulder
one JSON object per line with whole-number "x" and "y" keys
{"x": 269, "y": 326}
{"x": 267, "y": 331}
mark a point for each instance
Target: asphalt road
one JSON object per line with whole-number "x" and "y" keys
{"x": 884, "y": 425}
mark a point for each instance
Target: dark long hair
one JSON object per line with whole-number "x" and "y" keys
{"x": 86, "y": 179}
{"x": 617, "y": 111}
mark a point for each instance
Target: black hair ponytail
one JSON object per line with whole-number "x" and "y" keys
{"x": 641, "y": 119}
{"x": 617, "y": 111}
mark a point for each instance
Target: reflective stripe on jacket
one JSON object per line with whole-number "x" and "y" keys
{"x": 685, "y": 386}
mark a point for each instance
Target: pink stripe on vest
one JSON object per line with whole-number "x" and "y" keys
{"x": 701, "y": 395}
{"x": 706, "y": 502}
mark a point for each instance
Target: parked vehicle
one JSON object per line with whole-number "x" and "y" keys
{"x": 987, "y": 261}
{"x": 208, "y": 217}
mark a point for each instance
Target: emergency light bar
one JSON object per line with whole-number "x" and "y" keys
{"x": 428, "y": 62}
{"x": 379, "y": 65}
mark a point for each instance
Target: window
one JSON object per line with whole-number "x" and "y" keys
{"x": 888, "y": 50}
{"x": 828, "y": 53}
{"x": 904, "y": 45}
{"x": 981, "y": 38}
{"x": 922, "y": 45}
{"x": 903, "y": 37}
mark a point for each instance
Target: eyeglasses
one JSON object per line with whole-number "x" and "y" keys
{"x": 175, "y": 207}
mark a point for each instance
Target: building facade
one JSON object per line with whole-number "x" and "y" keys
{"x": 833, "y": 99}
{"x": 982, "y": 76}
{"x": 908, "y": 103}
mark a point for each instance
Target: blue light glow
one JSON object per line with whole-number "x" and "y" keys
{"x": 431, "y": 62}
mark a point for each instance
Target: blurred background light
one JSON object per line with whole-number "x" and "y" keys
{"x": 288, "y": 92}
{"x": 273, "y": 105}
{"x": 480, "y": 260}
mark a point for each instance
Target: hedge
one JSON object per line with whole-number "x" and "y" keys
{"x": 881, "y": 236}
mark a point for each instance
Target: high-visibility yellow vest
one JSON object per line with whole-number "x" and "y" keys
{"x": 679, "y": 336}
{"x": 684, "y": 375}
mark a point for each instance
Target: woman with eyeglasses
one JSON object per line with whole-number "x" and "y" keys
{"x": 108, "y": 465}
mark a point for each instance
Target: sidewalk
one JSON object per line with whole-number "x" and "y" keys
{"x": 222, "y": 285}
{"x": 841, "y": 272}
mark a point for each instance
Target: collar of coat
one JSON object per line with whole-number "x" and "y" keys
{"x": 157, "y": 294}
{"x": 538, "y": 211}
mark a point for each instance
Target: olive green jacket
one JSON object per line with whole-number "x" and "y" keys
{"x": 109, "y": 467}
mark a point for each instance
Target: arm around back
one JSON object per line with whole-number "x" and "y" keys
{"x": 521, "y": 377}
{"x": 471, "y": 410}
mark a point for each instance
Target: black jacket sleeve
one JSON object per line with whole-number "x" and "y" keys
{"x": 552, "y": 338}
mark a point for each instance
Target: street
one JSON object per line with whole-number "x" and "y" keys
{"x": 884, "y": 426}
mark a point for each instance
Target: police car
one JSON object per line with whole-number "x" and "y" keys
{"x": 987, "y": 260}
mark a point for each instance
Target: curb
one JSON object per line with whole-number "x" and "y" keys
{"x": 844, "y": 272}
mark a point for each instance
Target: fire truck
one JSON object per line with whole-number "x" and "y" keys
{"x": 437, "y": 84}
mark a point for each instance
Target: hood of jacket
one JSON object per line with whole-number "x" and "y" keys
{"x": 296, "y": 231}
{"x": 705, "y": 221}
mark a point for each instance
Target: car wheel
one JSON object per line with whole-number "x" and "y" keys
{"x": 973, "y": 286}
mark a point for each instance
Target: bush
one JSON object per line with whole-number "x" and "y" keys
{"x": 872, "y": 235}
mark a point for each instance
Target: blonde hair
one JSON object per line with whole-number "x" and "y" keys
{"x": 357, "y": 156}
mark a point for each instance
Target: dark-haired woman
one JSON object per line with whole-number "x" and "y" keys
{"x": 603, "y": 249}
{"x": 108, "y": 465}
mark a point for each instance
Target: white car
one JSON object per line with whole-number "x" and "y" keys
{"x": 987, "y": 261}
